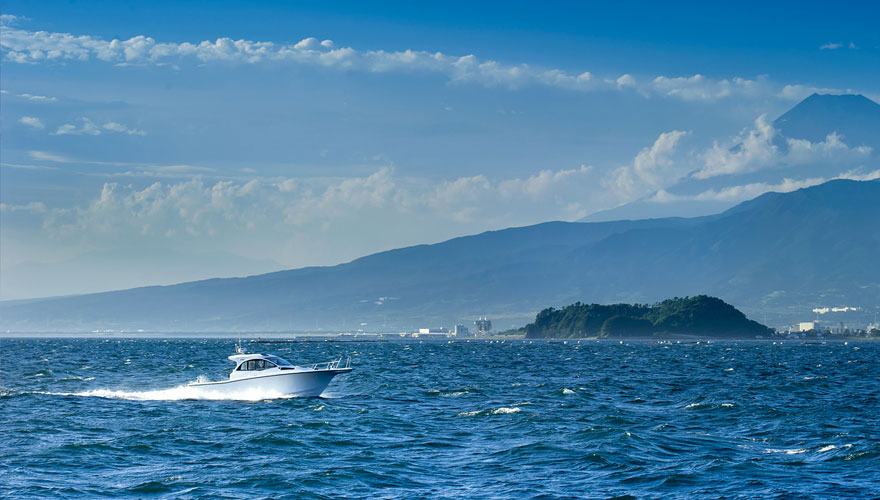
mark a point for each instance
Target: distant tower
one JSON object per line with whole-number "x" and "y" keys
{"x": 484, "y": 326}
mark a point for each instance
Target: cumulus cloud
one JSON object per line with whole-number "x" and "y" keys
{"x": 652, "y": 168}
{"x": 625, "y": 81}
{"x": 202, "y": 211}
{"x": 31, "y": 121}
{"x": 33, "y": 47}
{"x": 756, "y": 149}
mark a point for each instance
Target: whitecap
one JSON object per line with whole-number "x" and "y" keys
{"x": 567, "y": 391}
{"x": 456, "y": 393}
{"x": 469, "y": 413}
{"x": 792, "y": 451}
{"x": 505, "y": 410}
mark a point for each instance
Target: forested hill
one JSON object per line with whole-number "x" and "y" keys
{"x": 702, "y": 316}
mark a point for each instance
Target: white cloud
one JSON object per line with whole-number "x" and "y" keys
{"x": 166, "y": 171}
{"x": 700, "y": 88}
{"x": 800, "y": 92}
{"x": 838, "y": 45}
{"x": 9, "y": 19}
{"x": 756, "y": 149}
{"x": 651, "y": 169}
{"x": 38, "y": 98}
{"x": 626, "y": 81}
{"x": 738, "y": 193}
{"x": 744, "y": 192}
{"x": 88, "y": 127}
{"x": 31, "y": 121}
{"x": 46, "y": 156}
{"x": 23, "y": 46}
{"x": 26, "y": 166}
{"x": 540, "y": 184}
{"x": 34, "y": 207}
{"x": 118, "y": 127}
{"x": 203, "y": 211}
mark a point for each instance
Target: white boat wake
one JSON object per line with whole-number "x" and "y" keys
{"x": 179, "y": 393}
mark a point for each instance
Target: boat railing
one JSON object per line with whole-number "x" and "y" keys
{"x": 336, "y": 364}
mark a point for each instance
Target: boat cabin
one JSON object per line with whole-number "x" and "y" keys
{"x": 249, "y": 364}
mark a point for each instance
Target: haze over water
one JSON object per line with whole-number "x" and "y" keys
{"x": 89, "y": 418}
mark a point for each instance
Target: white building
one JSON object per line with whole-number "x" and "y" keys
{"x": 432, "y": 333}
{"x": 806, "y": 326}
{"x": 442, "y": 329}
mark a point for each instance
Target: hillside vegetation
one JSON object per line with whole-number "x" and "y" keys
{"x": 702, "y": 316}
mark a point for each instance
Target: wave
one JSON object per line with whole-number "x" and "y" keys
{"x": 179, "y": 393}
{"x": 790, "y": 451}
{"x": 504, "y": 410}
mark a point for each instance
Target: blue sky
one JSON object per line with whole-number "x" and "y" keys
{"x": 165, "y": 141}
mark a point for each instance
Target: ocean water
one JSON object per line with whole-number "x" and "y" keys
{"x": 112, "y": 418}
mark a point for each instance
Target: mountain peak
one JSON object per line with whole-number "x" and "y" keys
{"x": 853, "y": 116}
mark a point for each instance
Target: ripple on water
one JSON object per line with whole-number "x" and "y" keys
{"x": 446, "y": 420}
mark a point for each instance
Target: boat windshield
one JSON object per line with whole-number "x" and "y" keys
{"x": 278, "y": 361}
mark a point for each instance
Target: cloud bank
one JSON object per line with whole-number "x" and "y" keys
{"x": 757, "y": 148}
{"x": 37, "y": 47}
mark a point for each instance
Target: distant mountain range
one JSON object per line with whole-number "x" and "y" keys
{"x": 774, "y": 257}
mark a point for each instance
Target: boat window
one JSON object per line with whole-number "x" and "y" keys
{"x": 278, "y": 361}
{"x": 260, "y": 364}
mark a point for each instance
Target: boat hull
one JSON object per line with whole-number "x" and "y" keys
{"x": 294, "y": 383}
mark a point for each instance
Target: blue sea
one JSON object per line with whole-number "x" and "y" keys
{"x": 112, "y": 418}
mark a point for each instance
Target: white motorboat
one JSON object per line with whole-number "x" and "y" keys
{"x": 266, "y": 373}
